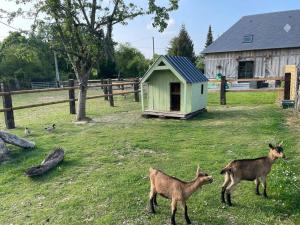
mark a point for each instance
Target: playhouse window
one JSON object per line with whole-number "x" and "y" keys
{"x": 202, "y": 89}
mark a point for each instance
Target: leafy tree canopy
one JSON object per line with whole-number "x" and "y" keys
{"x": 182, "y": 45}
{"x": 25, "y": 59}
{"x": 130, "y": 61}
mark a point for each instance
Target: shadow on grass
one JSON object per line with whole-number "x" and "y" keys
{"x": 229, "y": 114}
{"x": 56, "y": 171}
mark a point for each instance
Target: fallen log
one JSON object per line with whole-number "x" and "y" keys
{"x": 15, "y": 140}
{"x": 51, "y": 161}
{"x": 4, "y": 152}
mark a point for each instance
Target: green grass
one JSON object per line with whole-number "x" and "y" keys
{"x": 104, "y": 178}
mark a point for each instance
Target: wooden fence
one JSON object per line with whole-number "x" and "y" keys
{"x": 223, "y": 83}
{"x": 108, "y": 94}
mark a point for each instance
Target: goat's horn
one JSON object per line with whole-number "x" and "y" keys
{"x": 198, "y": 169}
{"x": 281, "y": 143}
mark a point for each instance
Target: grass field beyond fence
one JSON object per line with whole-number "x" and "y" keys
{"x": 104, "y": 178}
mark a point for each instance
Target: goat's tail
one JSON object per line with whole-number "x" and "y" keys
{"x": 227, "y": 169}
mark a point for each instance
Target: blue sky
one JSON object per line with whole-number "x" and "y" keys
{"x": 196, "y": 15}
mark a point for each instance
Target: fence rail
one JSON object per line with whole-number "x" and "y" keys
{"x": 249, "y": 80}
{"x": 107, "y": 87}
{"x": 224, "y": 81}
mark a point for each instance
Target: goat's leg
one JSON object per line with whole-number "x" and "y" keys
{"x": 151, "y": 201}
{"x": 257, "y": 183}
{"x": 224, "y": 186}
{"x": 186, "y": 216}
{"x": 264, "y": 183}
{"x": 230, "y": 189}
{"x": 155, "y": 199}
{"x": 174, "y": 209}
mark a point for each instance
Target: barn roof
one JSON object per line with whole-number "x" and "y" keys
{"x": 258, "y": 32}
{"x": 182, "y": 65}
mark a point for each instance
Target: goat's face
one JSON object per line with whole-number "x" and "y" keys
{"x": 203, "y": 176}
{"x": 277, "y": 151}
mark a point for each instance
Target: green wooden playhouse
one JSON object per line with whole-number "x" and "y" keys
{"x": 173, "y": 87}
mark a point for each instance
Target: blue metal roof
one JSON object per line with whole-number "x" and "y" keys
{"x": 186, "y": 69}
{"x": 267, "y": 31}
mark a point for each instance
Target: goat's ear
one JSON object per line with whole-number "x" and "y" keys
{"x": 280, "y": 144}
{"x": 271, "y": 146}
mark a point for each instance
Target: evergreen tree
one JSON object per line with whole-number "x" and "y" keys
{"x": 210, "y": 38}
{"x": 182, "y": 45}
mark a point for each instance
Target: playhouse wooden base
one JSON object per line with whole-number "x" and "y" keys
{"x": 178, "y": 115}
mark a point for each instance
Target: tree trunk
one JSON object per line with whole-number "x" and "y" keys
{"x": 81, "y": 106}
{"x": 51, "y": 161}
{"x": 14, "y": 140}
{"x": 3, "y": 151}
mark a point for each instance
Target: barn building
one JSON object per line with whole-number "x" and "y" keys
{"x": 175, "y": 88}
{"x": 257, "y": 46}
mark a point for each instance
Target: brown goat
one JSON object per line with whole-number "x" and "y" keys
{"x": 250, "y": 170}
{"x": 174, "y": 189}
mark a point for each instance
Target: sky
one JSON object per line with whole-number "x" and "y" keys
{"x": 196, "y": 15}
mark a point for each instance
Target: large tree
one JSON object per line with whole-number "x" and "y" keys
{"x": 209, "y": 38}
{"x": 83, "y": 30}
{"x": 130, "y": 61}
{"x": 25, "y": 59}
{"x": 182, "y": 45}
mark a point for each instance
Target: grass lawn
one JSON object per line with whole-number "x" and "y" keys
{"x": 104, "y": 178}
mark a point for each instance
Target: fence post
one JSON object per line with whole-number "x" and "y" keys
{"x": 102, "y": 82}
{"x": 223, "y": 91}
{"x": 105, "y": 90}
{"x": 287, "y": 86}
{"x": 110, "y": 92}
{"x": 136, "y": 90}
{"x": 7, "y": 104}
{"x": 72, "y": 97}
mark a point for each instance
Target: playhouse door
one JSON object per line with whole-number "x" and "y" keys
{"x": 175, "y": 96}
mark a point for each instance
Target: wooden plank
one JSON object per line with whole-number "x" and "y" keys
{"x": 37, "y": 91}
{"x": 287, "y": 86}
{"x": 223, "y": 91}
{"x": 256, "y": 90}
{"x": 61, "y": 89}
{"x": 163, "y": 114}
{"x": 110, "y": 92}
{"x": 7, "y": 104}
{"x": 105, "y": 90}
{"x": 62, "y": 101}
{"x": 72, "y": 97}
{"x": 248, "y": 80}
{"x": 136, "y": 92}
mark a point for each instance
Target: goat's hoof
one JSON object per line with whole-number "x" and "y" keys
{"x": 266, "y": 196}
{"x": 229, "y": 204}
{"x": 188, "y": 222}
{"x": 152, "y": 212}
{"x": 257, "y": 193}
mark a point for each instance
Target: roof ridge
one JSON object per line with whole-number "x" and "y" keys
{"x": 268, "y": 13}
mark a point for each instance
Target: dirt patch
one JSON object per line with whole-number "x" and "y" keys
{"x": 123, "y": 117}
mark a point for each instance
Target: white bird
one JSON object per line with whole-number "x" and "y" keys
{"x": 27, "y": 131}
{"x": 50, "y": 128}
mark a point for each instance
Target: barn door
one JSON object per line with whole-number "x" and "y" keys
{"x": 287, "y": 86}
{"x": 246, "y": 69}
{"x": 175, "y": 96}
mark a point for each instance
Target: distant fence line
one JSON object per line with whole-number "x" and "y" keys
{"x": 106, "y": 85}
{"x": 109, "y": 91}
{"x": 223, "y": 86}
